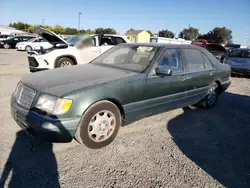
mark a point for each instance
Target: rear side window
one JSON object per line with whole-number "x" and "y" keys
{"x": 193, "y": 59}
{"x": 208, "y": 64}
{"x": 119, "y": 40}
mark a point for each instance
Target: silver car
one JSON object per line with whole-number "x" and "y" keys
{"x": 239, "y": 60}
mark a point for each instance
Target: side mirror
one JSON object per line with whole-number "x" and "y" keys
{"x": 61, "y": 46}
{"x": 163, "y": 71}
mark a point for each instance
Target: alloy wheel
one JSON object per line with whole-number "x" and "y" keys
{"x": 101, "y": 126}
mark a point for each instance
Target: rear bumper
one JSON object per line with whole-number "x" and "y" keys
{"x": 240, "y": 71}
{"x": 47, "y": 128}
{"x": 225, "y": 85}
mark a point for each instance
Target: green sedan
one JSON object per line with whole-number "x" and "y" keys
{"x": 91, "y": 102}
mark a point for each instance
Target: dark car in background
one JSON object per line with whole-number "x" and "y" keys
{"x": 239, "y": 60}
{"x": 217, "y": 50}
{"x": 11, "y": 42}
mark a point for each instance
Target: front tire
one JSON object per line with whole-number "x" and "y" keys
{"x": 28, "y": 48}
{"x": 99, "y": 125}
{"x": 64, "y": 62}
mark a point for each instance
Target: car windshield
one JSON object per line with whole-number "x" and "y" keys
{"x": 240, "y": 53}
{"x": 32, "y": 39}
{"x": 134, "y": 58}
{"x": 73, "y": 40}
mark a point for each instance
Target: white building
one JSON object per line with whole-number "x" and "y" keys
{"x": 156, "y": 39}
{"x": 5, "y": 30}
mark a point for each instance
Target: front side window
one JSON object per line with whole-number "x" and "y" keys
{"x": 16, "y": 38}
{"x": 193, "y": 59}
{"x": 171, "y": 58}
{"x": 135, "y": 58}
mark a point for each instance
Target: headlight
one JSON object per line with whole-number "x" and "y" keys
{"x": 2, "y": 42}
{"x": 53, "y": 105}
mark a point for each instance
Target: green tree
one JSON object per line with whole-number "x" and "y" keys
{"x": 190, "y": 33}
{"x": 166, "y": 33}
{"x": 70, "y": 31}
{"x": 109, "y": 31}
{"x": 220, "y": 35}
{"x": 105, "y": 30}
{"x": 58, "y": 29}
{"x": 89, "y": 31}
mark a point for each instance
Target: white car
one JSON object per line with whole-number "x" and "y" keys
{"x": 33, "y": 44}
{"x": 70, "y": 52}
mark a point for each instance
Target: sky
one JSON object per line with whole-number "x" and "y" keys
{"x": 174, "y": 15}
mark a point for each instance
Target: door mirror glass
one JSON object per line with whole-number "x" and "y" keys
{"x": 61, "y": 46}
{"x": 163, "y": 71}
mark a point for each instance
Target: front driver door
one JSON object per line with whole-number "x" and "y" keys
{"x": 166, "y": 92}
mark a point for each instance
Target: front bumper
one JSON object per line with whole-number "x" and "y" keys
{"x": 34, "y": 65}
{"x": 240, "y": 71}
{"x": 51, "y": 129}
{"x": 20, "y": 48}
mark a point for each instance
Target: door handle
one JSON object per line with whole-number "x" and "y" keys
{"x": 210, "y": 73}
{"x": 183, "y": 78}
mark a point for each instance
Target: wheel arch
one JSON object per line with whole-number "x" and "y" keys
{"x": 116, "y": 102}
{"x": 218, "y": 82}
{"x": 68, "y": 56}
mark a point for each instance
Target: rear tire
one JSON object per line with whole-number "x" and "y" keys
{"x": 64, "y": 62}
{"x": 99, "y": 125}
{"x": 211, "y": 98}
{"x": 6, "y": 46}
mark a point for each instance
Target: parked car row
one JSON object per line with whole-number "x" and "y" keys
{"x": 12, "y": 41}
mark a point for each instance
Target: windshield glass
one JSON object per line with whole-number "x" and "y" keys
{"x": 240, "y": 53}
{"x": 32, "y": 39}
{"x": 73, "y": 40}
{"x": 135, "y": 58}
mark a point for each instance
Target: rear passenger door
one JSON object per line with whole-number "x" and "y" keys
{"x": 199, "y": 73}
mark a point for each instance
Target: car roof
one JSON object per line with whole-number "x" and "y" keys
{"x": 161, "y": 45}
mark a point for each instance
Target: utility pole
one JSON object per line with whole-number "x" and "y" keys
{"x": 79, "y": 14}
{"x": 43, "y": 22}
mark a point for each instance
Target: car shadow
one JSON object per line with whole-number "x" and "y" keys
{"x": 217, "y": 140}
{"x": 31, "y": 163}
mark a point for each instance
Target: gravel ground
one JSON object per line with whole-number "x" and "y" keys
{"x": 181, "y": 148}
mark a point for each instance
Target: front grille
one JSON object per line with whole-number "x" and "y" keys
{"x": 32, "y": 62}
{"x": 24, "y": 96}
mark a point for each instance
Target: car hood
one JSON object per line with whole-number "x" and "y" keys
{"x": 50, "y": 36}
{"x": 65, "y": 80}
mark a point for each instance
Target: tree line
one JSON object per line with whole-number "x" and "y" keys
{"x": 216, "y": 35}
